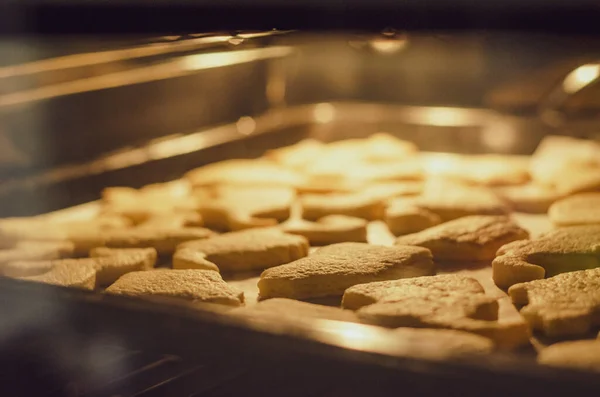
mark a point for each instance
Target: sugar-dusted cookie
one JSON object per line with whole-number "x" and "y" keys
{"x": 253, "y": 249}
{"x": 244, "y": 172}
{"x": 559, "y": 251}
{"x": 404, "y": 217}
{"x": 444, "y": 301}
{"x": 563, "y": 305}
{"x": 580, "y": 209}
{"x": 76, "y": 273}
{"x": 471, "y": 238}
{"x": 191, "y": 284}
{"x": 332, "y": 269}
{"x": 582, "y": 354}
{"x": 330, "y": 229}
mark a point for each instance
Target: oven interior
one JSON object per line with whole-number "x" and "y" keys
{"x": 78, "y": 115}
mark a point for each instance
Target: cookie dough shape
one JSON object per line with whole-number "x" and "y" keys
{"x": 332, "y": 269}
{"x": 253, "y": 249}
{"x": 75, "y": 273}
{"x": 297, "y": 156}
{"x": 237, "y": 208}
{"x": 281, "y": 308}
{"x": 583, "y": 354}
{"x": 531, "y": 198}
{"x": 358, "y": 205}
{"x": 163, "y": 240}
{"x": 115, "y": 262}
{"x": 244, "y": 172}
{"x": 36, "y": 251}
{"x": 190, "y": 284}
{"x": 403, "y": 217}
{"x": 330, "y": 229}
{"x": 563, "y": 305}
{"x": 559, "y": 251}
{"x": 444, "y": 301}
{"x": 453, "y": 200}
{"x": 472, "y": 238}
{"x": 580, "y": 209}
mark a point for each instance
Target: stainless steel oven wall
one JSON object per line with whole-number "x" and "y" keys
{"x": 54, "y": 113}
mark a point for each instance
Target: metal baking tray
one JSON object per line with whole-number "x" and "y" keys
{"x": 75, "y": 342}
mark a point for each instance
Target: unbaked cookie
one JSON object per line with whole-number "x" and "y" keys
{"x": 332, "y": 269}
{"x": 559, "y": 251}
{"x": 472, "y": 238}
{"x": 580, "y": 209}
{"x": 563, "y": 305}
{"x": 194, "y": 285}
{"x": 253, "y": 249}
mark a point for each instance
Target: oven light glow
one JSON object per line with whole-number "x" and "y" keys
{"x": 219, "y": 59}
{"x": 324, "y": 113}
{"x": 581, "y": 77}
{"x": 387, "y": 46}
{"x": 351, "y": 336}
{"x": 246, "y": 125}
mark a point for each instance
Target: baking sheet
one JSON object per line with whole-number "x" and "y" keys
{"x": 379, "y": 234}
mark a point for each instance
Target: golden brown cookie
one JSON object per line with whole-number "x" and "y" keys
{"x": 444, "y": 301}
{"x": 471, "y": 238}
{"x": 580, "y": 209}
{"x": 330, "y": 229}
{"x": 332, "y": 269}
{"x": 582, "y": 354}
{"x": 531, "y": 197}
{"x": 253, "y": 249}
{"x": 358, "y": 205}
{"x": 404, "y": 217}
{"x": 237, "y": 208}
{"x": 191, "y": 284}
{"x": 244, "y": 172}
{"x": 379, "y": 147}
{"x": 76, "y": 273}
{"x": 163, "y": 240}
{"x": 115, "y": 262}
{"x": 559, "y": 251}
{"x": 563, "y": 305}
{"x": 452, "y": 200}
{"x": 278, "y": 308}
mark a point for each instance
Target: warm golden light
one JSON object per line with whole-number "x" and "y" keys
{"x": 581, "y": 77}
{"x": 246, "y": 125}
{"x": 324, "y": 113}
